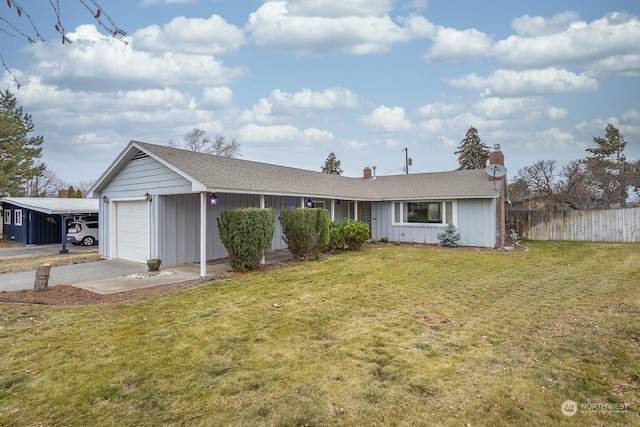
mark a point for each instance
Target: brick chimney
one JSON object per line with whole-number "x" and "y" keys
{"x": 367, "y": 173}
{"x": 63, "y": 194}
{"x": 496, "y": 157}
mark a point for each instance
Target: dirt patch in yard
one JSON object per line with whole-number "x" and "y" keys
{"x": 71, "y": 296}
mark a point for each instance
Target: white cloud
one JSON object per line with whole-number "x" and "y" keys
{"x": 216, "y": 97}
{"x": 332, "y": 27}
{"x": 252, "y": 133}
{"x": 527, "y": 108}
{"x": 555, "y": 113}
{"x": 337, "y": 9}
{"x": 388, "y": 119}
{"x": 533, "y": 26}
{"x": 260, "y": 112}
{"x": 212, "y": 36}
{"x": 621, "y": 66}
{"x": 438, "y": 109}
{"x": 388, "y": 143}
{"x": 558, "y": 139}
{"x": 580, "y": 44}
{"x": 432, "y": 126}
{"x": 529, "y": 82}
{"x": 632, "y": 116}
{"x": 450, "y": 44}
{"x": 95, "y": 60}
{"x": 327, "y": 99}
{"x": 351, "y": 143}
{"x": 281, "y": 103}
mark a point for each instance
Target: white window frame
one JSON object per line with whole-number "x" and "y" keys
{"x": 444, "y": 204}
{"x": 7, "y": 216}
{"x": 319, "y": 204}
{"x": 17, "y": 217}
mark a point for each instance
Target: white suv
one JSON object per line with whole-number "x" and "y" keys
{"x": 83, "y": 232}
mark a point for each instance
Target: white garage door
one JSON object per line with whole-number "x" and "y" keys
{"x": 132, "y": 230}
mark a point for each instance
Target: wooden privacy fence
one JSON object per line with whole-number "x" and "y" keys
{"x": 611, "y": 225}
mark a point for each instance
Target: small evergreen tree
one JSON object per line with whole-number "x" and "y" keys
{"x": 473, "y": 153}
{"x": 449, "y": 237}
{"x": 332, "y": 165}
{"x": 610, "y": 170}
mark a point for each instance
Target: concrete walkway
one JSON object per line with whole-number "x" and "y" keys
{"x": 111, "y": 276}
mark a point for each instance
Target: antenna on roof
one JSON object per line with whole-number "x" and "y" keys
{"x": 496, "y": 171}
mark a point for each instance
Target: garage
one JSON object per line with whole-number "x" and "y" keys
{"x": 132, "y": 230}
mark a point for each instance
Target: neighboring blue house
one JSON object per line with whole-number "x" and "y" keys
{"x": 38, "y": 220}
{"x": 162, "y": 202}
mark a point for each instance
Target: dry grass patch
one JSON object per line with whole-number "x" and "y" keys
{"x": 387, "y": 336}
{"x": 27, "y": 263}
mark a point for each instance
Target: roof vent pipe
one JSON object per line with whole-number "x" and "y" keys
{"x": 374, "y": 172}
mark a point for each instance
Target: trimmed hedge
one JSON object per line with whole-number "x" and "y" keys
{"x": 348, "y": 235}
{"x": 306, "y": 231}
{"x": 247, "y": 235}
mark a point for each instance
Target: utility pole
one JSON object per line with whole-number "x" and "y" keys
{"x": 408, "y": 161}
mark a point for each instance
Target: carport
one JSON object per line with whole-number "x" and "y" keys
{"x": 42, "y": 220}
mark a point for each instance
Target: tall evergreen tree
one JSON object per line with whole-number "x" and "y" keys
{"x": 609, "y": 169}
{"x": 332, "y": 165}
{"x": 18, "y": 150}
{"x": 473, "y": 153}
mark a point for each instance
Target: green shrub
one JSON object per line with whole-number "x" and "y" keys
{"x": 247, "y": 235}
{"x": 306, "y": 231}
{"x": 337, "y": 240}
{"x": 355, "y": 234}
{"x": 348, "y": 234}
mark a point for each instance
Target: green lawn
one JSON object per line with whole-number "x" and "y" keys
{"x": 387, "y": 336}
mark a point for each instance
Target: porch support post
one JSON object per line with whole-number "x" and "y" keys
{"x": 262, "y": 206}
{"x": 302, "y": 202}
{"x": 332, "y": 211}
{"x": 203, "y": 234}
{"x": 355, "y": 210}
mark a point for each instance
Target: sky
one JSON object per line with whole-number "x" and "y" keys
{"x": 294, "y": 80}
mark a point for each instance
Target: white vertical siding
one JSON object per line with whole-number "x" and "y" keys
{"x": 179, "y": 220}
{"x": 475, "y": 220}
{"x": 178, "y": 229}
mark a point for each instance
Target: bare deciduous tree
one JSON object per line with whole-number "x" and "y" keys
{"x": 549, "y": 189}
{"x": 16, "y": 21}
{"x": 197, "y": 140}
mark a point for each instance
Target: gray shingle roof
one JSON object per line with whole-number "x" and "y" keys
{"x": 54, "y": 205}
{"x": 236, "y": 175}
